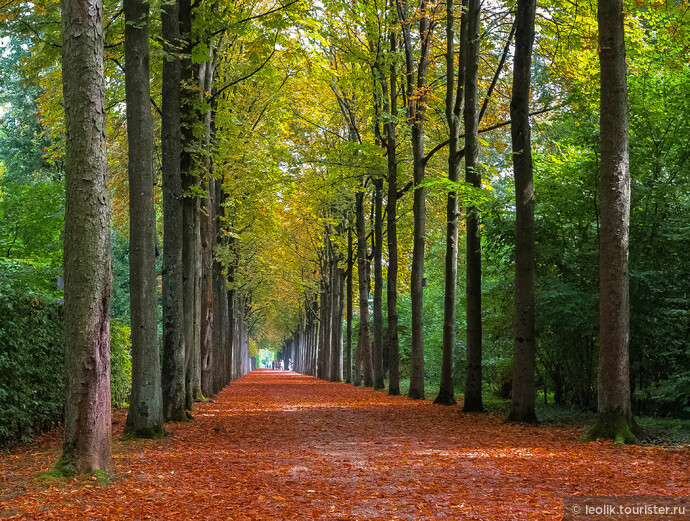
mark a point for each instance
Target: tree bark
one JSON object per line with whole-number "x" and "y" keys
{"x": 364, "y": 336}
{"x": 349, "y": 297}
{"x": 145, "y": 414}
{"x": 208, "y": 237}
{"x": 473, "y": 383}
{"x": 88, "y": 279}
{"x": 190, "y": 212}
{"x": 615, "y": 415}
{"x": 454, "y": 104}
{"x": 222, "y": 313}
{"x": 208, "y": 304}
{"x": 173, "y": 378}
{"x": 523, "y": 394}
{"x": 391, "y": 107}
{"x": 416, "y": 111}
{"x": 334, "y": 373}
{"x": 378, "y": 285}
{"x": 324, "y": 323}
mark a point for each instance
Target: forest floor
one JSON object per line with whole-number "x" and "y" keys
{"x": 278, "y": 445}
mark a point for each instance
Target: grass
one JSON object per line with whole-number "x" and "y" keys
{"x": 657, "y": 431}
{"x": 664, "y": 431}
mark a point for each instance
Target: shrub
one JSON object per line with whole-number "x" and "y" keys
{"x": 31, "y": 362}
{"x": 120, "y": 363}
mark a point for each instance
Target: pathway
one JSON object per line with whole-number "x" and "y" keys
{"x": 278, "y": 445}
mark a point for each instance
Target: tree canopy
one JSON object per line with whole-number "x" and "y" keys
{"x": 312, "y": 134}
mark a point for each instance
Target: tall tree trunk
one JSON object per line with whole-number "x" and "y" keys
{"x": 416, "y": 391}
{"x": 88, "y": 279}
{"x": 222, "y": 314}
{"x": 324, "y": 319}
{"x": 208, "y": 303}
{"x": 314, "y": 337}
{"x": 391, "y": 224}
{"x": 339, "y": 324}
{"x": 190, "y": 210}
{"x": 208, "y": 236}
{"x": 524, "y": 394}
{"x": 173, "y": 378}
{"x": 349, "y": 296}
{"x": 364, "y": 336}
{"x": 145, "y": 414}
{"x": 454, "y": 103}
{"x": 196, "y": 364}
{"x": 336, "y": 319}
{"x": 615, "y": 416}
{"x": 237, "y": 340}
{"x": 416, "y": 111}
{"x": 378, "y": 285}
{"x": 473, "y": 383}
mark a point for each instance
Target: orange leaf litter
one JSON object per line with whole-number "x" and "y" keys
{"x": 278, "y": 445}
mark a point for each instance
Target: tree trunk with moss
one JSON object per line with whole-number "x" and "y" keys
{"x": 87, "y": 437}
{"x": 615, "y": 415}
{"x": 145, "y": 414}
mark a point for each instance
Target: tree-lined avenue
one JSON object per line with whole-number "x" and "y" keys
{"x": 278, "y": 445}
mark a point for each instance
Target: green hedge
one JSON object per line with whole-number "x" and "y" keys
{"x": 31, "y": 364}
{"x": 120, "y": 363}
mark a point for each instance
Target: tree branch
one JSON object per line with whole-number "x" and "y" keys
{"x": 267, "y": 12}
{"x": 494, "y": 81}
{"x": 461, "y": 153}
{"x": 246, "y": 77}
{"x": 499, "y": 67}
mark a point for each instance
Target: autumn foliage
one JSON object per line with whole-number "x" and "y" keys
{"x": 278, "y": 445}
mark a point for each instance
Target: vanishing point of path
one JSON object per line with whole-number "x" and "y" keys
{"x": 278, "y": 445}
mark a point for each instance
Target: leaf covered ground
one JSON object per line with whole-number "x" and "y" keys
{"x": 278, "y": 445}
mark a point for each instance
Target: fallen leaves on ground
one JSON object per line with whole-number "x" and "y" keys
{"x": 278, "y": 445}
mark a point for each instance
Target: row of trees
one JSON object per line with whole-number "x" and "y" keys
{"x": 294, "y": 145}
{"x": 205, "y": 324}
{"x": 382, "y": 30}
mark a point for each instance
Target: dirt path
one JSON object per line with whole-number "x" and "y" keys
{"x": 277, "y": 445}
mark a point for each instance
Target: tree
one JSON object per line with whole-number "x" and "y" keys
{"x": 417, "y": 94}
{"x": 364, "y": 336}
{"x": 348, "y": 306}
{"x": 390, "y": 106}
{"x": 473, "y": 288}
{"x": 173, "y": 312}
{"x": 145, "y": 415}
{"x": 87, "y": 437}
{"x": 523, "y": 394}
{"x": 22, "y": 140}
{"x": 191, "y": 237}
{"x": 454, "y": 105}
{"x": 378, "y": 284}
{"x": 614, "y": 409}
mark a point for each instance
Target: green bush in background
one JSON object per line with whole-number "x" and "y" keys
{"x": 120, "y": 363}
{"x": 31, "y": 364}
